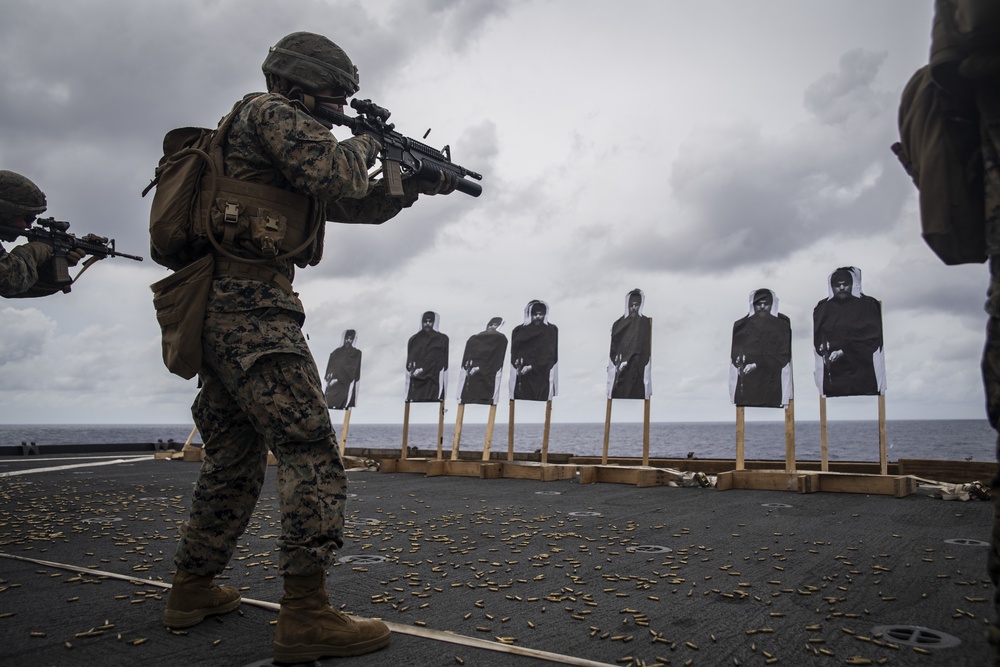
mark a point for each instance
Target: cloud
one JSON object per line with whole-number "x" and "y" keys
{"x": 23, "y": 335}
{"x": 744, "y": 196}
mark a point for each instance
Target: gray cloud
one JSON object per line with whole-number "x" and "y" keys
{"x": 746, "y": 197}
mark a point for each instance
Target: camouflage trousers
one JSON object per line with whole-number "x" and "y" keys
{"x": 261, "y": 391}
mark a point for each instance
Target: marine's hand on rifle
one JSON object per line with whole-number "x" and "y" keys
{"x": 369, "y": 147}
{"x": 74, "y": 256}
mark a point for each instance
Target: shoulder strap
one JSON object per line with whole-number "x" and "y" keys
{"x": 216, "y": 168}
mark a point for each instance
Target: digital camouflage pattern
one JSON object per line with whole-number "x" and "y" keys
{"x": 261, "y": 388}
{"x": 272, "y": 131}
{"x": 251, "y": 354}
{"x": 18, "y": 271}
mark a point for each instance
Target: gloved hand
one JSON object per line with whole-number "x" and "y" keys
{"x": 366, "y": 146}
{"x": 74, "y": 256}
{"x": 42, "y": 252}
{"x": 443, "y": 185}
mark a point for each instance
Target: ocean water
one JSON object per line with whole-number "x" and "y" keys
{"x": 847, "y": 440}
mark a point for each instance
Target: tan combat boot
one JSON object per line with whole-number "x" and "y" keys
{"x": 310, "y": 629}
{"x": 194, "y": 597}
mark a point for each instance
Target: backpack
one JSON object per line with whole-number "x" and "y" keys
{"x": 940, "y": 149}
{"x": 197, "y": 209}
{"x": 187, "y": 153}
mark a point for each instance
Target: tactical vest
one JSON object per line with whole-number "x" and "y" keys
{"x": 197, "y": 209}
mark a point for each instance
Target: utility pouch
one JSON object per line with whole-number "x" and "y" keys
{"x": 180, "y": 301}
{"x": 270, "y": 222}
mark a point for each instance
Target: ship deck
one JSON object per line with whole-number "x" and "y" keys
{"x": 504, "y": 572}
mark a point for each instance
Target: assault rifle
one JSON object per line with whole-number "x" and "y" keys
{"x": 400, "y": 153}
{"x": 53, "y": 232}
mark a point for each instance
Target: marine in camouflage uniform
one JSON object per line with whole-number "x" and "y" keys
{"x": 260, "y": 387}
{"x": 20, "y": 202}
{"x": 965, "y": 59}
{"x": 988, "y": 99}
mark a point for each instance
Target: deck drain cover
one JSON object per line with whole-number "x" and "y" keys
{"x": 362, "y": 521}
{"x": 915, "y": 635}
{"x": 101, "y": 519}
{"x": 649, "y": 549}
{"x": 585, "y": 514}
{"x": 774, "y": 505}
{"x": 548, "y": 493}
{"x": 363, "y": 560}
{"x": 967, "y": 543}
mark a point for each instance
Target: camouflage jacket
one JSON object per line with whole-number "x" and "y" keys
{"x": 19, "y": 275}
{"x": 274, "y": 141}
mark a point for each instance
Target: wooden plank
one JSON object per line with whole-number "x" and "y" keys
{"x": 740, "y": 437}
{"x": 607, "y": 433}
{"x": 542, "y": 472}
{"x": 725, "y": 480}
{"x": 956, "y": 472}
{"x": 490, "y": 470}
{"x": 440, "y": 428}
{"x": 761, "y": 480}
{"x": 886, "y": 485}
{"x": 645, "y": 434}
{"x": 545, "y": 431}
{"x": 554, "y": 471}
{"x": 406, "y": 428}
{"x": 489, "y": 432}
{"x": 436, "y": 468}
{"x": 824, "y": 452}
{"x": 409, "y": 465}
{"x": 807, "y": 482}
{"x": 882, "y": 436}
{"x": 343, "y": 431}
{"x": 510, "y": 432}
{"x": 655, "y": 477}
{"x": 790, "y": 435}
{"x": 638, "y": 476}
{"x": 588, "y": 474}
{"x": 458, "y": 432}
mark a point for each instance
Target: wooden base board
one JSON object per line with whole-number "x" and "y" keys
{"x": 637, "y": 475}
{"x": 483, "y": 469}
{"x": 813, "y": 482}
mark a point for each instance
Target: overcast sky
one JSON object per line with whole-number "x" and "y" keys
{"x": 697, "y": 151}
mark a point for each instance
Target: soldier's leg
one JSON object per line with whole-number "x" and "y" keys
{"x": 312, "y": 485}
{"x": 312, "y": 491}
{"x": 223, "y": 500}
{"x": 229, "y": 483}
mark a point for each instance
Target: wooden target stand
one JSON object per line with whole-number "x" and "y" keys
{"x": 404, "y": 463}
{"x": 484, "y": 468}
{"x": 637, "y": 475}
{"x": 642, "y": 475}
{"x": 802, "y": 481}
{"x": 343, "y": 430}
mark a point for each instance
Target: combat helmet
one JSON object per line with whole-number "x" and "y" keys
{"x": 19, "y": 197}
{"x": 311, "y": 61}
